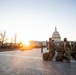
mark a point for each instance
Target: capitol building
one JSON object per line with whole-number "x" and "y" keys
{"x": 56, "y": 36}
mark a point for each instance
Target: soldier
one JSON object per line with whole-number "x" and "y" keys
{"x": 67, "y": 50}
{"x": 51, "y": 47}
{"x": 60, "y": 52}
{"x": 47, "y": 45}
{"x": 61, "y": 47}
{"x": 41, "y": 47}
{"x": 74, "y": 51}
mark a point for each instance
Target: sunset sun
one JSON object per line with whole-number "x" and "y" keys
{"x": 26, "y": 43}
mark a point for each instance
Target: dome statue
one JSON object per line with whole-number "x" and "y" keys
{"x": 56, "y": 35}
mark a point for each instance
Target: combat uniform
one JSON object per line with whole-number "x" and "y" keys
{"x": 52, "y": 49}
{"x": 60, "y": 52}
{"x": 67, "y": 51}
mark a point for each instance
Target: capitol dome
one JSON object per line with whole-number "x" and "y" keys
{"x": 56, "y": 35}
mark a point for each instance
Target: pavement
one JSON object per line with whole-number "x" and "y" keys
{"x": 30, "y": 62}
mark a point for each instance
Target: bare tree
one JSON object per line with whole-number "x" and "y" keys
{"x": 3, "y": 37}
{"x": 15, "y": 39}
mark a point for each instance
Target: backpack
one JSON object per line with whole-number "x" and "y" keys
{"x": 46, "y": 56}
{"x": 59, "y": 57}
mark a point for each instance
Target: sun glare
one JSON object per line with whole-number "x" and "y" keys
{"x": 26, "y": 43}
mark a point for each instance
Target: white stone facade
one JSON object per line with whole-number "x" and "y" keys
{"x": 56, "y": 35}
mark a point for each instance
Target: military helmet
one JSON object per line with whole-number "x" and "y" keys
{"x": 65, "y": 39}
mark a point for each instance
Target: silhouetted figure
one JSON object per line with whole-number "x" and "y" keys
{"x": 47, "y": 45}
{"x": 41, "y": 47}
{"x": 73, "y": 50}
